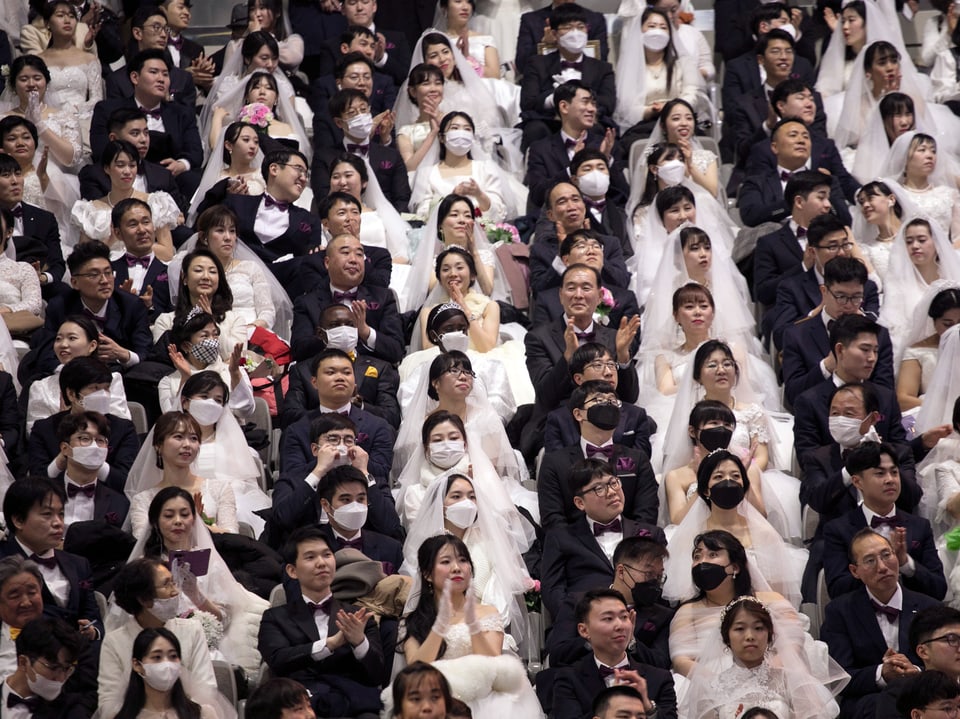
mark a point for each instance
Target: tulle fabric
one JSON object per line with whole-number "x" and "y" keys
{"x": 214, "y": 172}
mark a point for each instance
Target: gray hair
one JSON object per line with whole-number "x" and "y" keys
{"x": 14, "y": 565}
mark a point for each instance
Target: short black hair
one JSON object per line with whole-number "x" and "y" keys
{"x": 329, "y": 353}
{"x": 790, "y": 86}
{"x": 927, "y": 623}
{"x": 578, "y": 267}
{"x": 602, "y": 701}
{"x": 870, "y": 401}
{"x": 12, "y": 122}
{"x": 273, "y": 696}
{"x": 328, "y": 421}
{"x": 847, "y": 328}
{"x": 76, "y": 421}
{"x": 633, "y": 549}
{"x": 585, "y": 354}
{"x": 804, "y": 182}
{"x": 44, "y": 638}
{"x": 327, "y": 203}
{"x": 592, "y": 386}
{"x": 554, "y": 185}
{"x": 121, "y": 116}
{"x": 823, "y": 225}
{"x": 587, "y": 154}
{"x": 775, "y": 34}
{"x": 300, "y": 535}
{"x": 582, "y": 608}
{"x": 868, "y": 456}
{"x": 84, "y": 251}
{"x": 567, "y": 13}
{"x": 25, "y": 494}
{"x": 336, "y": 478}
{"x": 670, "y": 196}
{"x": 141, "y": 58}
{"x": 587, "y": 470}
{"x": 566, "y": 91}
{"x": 280, "y": 156}
{"x": 343, "y": 99}
{"x": 351, "y": 58}
{"x": 766, "y": 12}
{"x": 127, "y": 203}
{"x": 844, "y": 269}
{"x": 924, "y": 688}
{"x": 354, "y": 31}
{"x": 584, "y": 233}
{"x": 82, "y": 372}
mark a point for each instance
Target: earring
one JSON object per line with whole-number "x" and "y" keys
{"x": 441, "y": 236}
{"x": 159, "y": 461}
{"x": 734, "y": 575}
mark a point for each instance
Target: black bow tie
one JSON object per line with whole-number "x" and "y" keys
{"x": 570, "y": 65}
{"x": 879, "y": 521}
{"x": 598, "y": 205}
{"x": 31, "y": 703}
{"x": 801, "y": 233}
{"x": 323, "y": 606}
{"x": 362, "y": 149}
{"x": 600, "y": 529}
{"x": 785, "y": 176}
{"x": 569, "y": 143}
{"x": 585, "y": 336}
{"x": 133, "y": 260}
{"x": 88, "y": 490}
{"x": 355, "y": 543}
{"x": 270, "y": 202}
{"x": 176, "y": 42}
{"x": 606, "y": 671}
{"x": 593, "y": 451}
{"x": 341, "y": 296}
{"x": 17, "y": 211}
{"x": 48, "y": 562}
{"x": 97, "y": 319}
{"x": 154, "y": 113}
{"x": 891, "y": 613}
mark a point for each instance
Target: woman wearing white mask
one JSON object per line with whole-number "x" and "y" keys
{"x": 677, "y": 125}
{"x": 156, "y": 688}
{"x": 175, "y": 445}
{"x": 458, "y": 173}
{"x": 460, "y": 505}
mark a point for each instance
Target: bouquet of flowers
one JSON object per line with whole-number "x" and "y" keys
{"x": 500, "y": 232}
{"x": 256, "y": 114}
{"x": 607, "y": 303}
{"x": 212, "y": 627}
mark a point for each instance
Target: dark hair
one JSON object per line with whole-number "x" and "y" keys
{"x": 861, "y": 535}
{"x": 752, "y": 606}
{"x": 354, "y": 31}
{"x": 222, "y": 299}
{"x": 47, "y": 9}
{"x": 585, "y": 354}
{"x": 860, "y": 8}
{"x": 790, "y": 120}
{"x": 438, "y": 417}
{"x": 436, "y": 38}
{"x": 759, "y": 713}
{"x": 77, "y": 421}
{"x": 668, "y": 107}
{"x": 774, "y": 34}
{"x": 587, "y": 154}
{"x": 867, "y": 395}
{"x": 602, "y": 701}
{"x": 582, "y": 608}
{"x": 443, "y": 363}
{"x": 34, "y": 62}
{"x": 720, "y": 540}
{"x": 566, "y": 247}
{"x": 585, "y": 471}
{"x": 767, "y": 12}
{"x": 120, "y": 117}
{"x": 847, "y": 328}
{"x": 291, "y": 548}
{"x": 878, "y": 188}
{"x": 154, "y": 544}
{"x": 692, "y": 291}
{"x": 84, "y": 323}
{"x": 127, "y": 204}
{"x": 352, "y": 58}
{"x": 269, "y": 699}
{"x": 145, "y": 12}
{"x": 343, "y": 99}
{"x": 9, "y": 166}
{"x": 135, "y": 584}
{"x": 868, "y": 456}
{"x": 783, "y": 90}
{"x": 232, "y": 134}
{"x": 445, "y": 122}
{"x": 927, "y": 622}
{"x": 844, "y": 269}
{"x": 280, "y": 156}
{"x": 896, "y": 103}
{"x": 567, "y": 13}
{"x": 136, "y": 695}
{"x": 669, "y": 52}
{"x": 329, "y": 353}
{"x": 25, "y": 494}
{"x": 419, "y": 75}
{"x": 695, "y": 234}
{"x": 114, "y": 148}
{"x": 213, "y": 217}
{"x": 8, "y": 222}
{"x": 45, "y": 637}
{"x": 580, "y": 267}
{"x": 144, "y": 56}
{"x": 82, "y": 372}
{"x": 709, "y": 464}
{"x": 547, "y": 197}
{"x": 330, "y": 201}
{"x": 421, "y": 619}
{"x": 12, "y": 122}
{"x": 336, "y": 478}
{"x": 710, "y": 410}
{"x": 670, "y": 196}
{"x": 255, "y": 79}
{"x": 804, "y": 182}
{"x": 943, "y": 302}
{"x": 357, "y": 163}
{"x": 83, "y": 252}
{"x": 708, "y": 348}
{"x": 593, "y": 386}
{"x": 466, "y": 256}
{"x": 256, "y": 40}
{"x": 413, "y": 676}
{"x": 879, "y": 51}
{"x": 634, "y": 549}
{"x": 204, "y": 382}
{"x": 921, "y": 690}
{"x": 440, "y": 314}
{"x": 651, "y": 190}
{"x": 183, "y": 330}
{"x": 566, "y": 91}
{"x": 446, "y": 206}
{"x": 823, "y": 225}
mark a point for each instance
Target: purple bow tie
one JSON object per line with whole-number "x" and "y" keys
{"x": 99, "y": 321}
{"x": 154, "y": 113}
{"x": 48, "y": 562}
{"x": 891, "y": 613}
{"x": 601, "y": 529}
{"x": 362, "y": 149}
{"x": 585, "y": 336}
{"x": 569, "y": 143}
{"x": 878, "y": 521}
{"x": 598, "y": 205}
{"x": 176, "y": 42}
{"x": 355, "y": 543}
{"x": 341, "y": 296}
{"x": 323, "y": 606}
{"x": 593, "y": 451}
{"x": 133, "y": 260}
{"x": 801, "y": 233}
{"x": 569, "y": 65}
{"x": 785, "y": 176}
{"x": 17, "y": 211}
{"x": 270, "y": 202}
{"x": 606, "y": 671}
{"x": 88, "y": 490}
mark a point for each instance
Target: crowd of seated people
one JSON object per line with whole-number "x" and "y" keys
{"x": 393, "y": 351}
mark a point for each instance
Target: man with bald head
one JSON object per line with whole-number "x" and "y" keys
{"x": 379, "y": 328}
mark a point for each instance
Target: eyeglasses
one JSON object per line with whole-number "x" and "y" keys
{"x": 460, "y": 372}
{"x": 870, "y": 561}
{"x": 952, "y": 640}
{"x": 951, "y": 710}
{"x": 168, "y": 584}
{"x": 601, "y": 365}
{"x": 358, "y": 77}
{"x": 603, "y": 400}
{"x": 158, "y": 28}
{"x": 101, "y": 274}
{"x": 834, "y": 248}
{"x": 64, "y": 670}
{"x": 648, "y": 576}
{"x": 301, "y": 171}
{"x": 586, "y": 245}
{"x": 85, "y": 440}
{"x": 346, "y": 439}
{"x": 601, "y": 489}
{"x": 725, "y": 364}
{"x": 846, "y": 299}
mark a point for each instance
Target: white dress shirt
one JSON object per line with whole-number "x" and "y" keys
{"x": 53, "y": 577}
{"x": 79, "y": 508}
{"x": 608, "y": 541}
{"x": 320, "y": 650}
{"x": 622, "y": 664}
{"x": 271, "y": 222}
{"x": 909, "y": 568}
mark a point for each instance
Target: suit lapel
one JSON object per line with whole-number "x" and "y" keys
{"x": 867, "y": 618}
{"x": 581, "y": 530}
{"x": 556, "y": 334}
{"x": 811, "y": 289}
{"x": 303, "y": 617}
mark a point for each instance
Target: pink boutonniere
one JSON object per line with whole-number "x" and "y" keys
{"x": 386, "y": 165}
{"x": 362, "y": 437}
{"x": 607, "y": 303}
{"x": 85, "y": 584}
{"x": 162, "y": 277}
{"x": 305, "y": 227}
{"x": 626, "y": 464}
{"x": 373, "y": 306}
{"x": 111, "y": 518}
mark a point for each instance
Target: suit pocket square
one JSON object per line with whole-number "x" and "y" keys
{"x": 373, "y": 305}
{"x": 371, "y": 372}
{"x": 386, "y": 165}
{"x": 162, "y": 277}
{"x": 305, "y": 227}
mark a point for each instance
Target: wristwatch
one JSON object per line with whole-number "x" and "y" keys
{"x": 652, "y": 710}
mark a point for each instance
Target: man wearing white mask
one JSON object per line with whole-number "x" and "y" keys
{"x": 84, "y": 438}
{"x": 145, "y": 590}
{"x": 377, "y": 380}
{"x": 84, "y": 387}
{"x": 545, "y": 73}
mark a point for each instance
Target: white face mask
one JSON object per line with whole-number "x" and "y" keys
{"x": 672, "y": 172}
{"x": 342, "y": 338}
{"x": 46, "y": 689}
{"x": 206, "y": 411}
{"x": 455, "y": 341}
{"x": 351, "y": 516}
{"x": 573, "y": 41}
{"x": 343, "y": 458}
{"x": 789, "y": 29}
{"x": 656, "y": 39}
{"x": 459, "y": 142}
{"x": 595, "y": 183}
{"x": 91, "y": 457}
{"x": 360, "y": 126}
{"x": 98, "y": 401}
{"x": 846, "y": 432}
{"x": 462, "y": 514}
{"x": 161, "y": 675}
{"x": 165, "y": 609}
{"x": 448, "y": 453}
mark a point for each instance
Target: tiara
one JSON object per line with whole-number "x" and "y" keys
{"x": 448, "y": 306}
{"x": 453, "y": 246}
{"x": 740, "y": 600}
{"x": 194, "y": 311}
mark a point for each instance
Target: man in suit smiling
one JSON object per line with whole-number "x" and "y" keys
{"x": 139, "y": 272}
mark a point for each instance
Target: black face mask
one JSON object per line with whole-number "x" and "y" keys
{"x": 713, "y": 438}
{"x": 645, "y": 594}
{"x": 709, "y": 576}
{"x": 603, "y": 416}
{"x": 726, "y": 494}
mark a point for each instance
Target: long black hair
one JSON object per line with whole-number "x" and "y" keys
{"x": 222, "y": 300}
{"x": 136, "y": 695}
{"x": 154, "y": 544}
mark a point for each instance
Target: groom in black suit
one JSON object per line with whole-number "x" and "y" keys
{"x": 545, "y": 73}
{"x": 139, "y": 271}
{"x": 535, "y": 28}
{"x": 332, "y": 648}
{"x": 604, "y": 620}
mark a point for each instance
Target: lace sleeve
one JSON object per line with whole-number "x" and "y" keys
{"x": 165, "y": 211}
{"x": 262, "y": 299}
{"x": 756, "y": 423}
{"x": 66, "y": 124}
{"x": 139, "y": 505}
{"x": 226, "y": 517}
{"x": 29, "y": 285}
{"x": 94, "y": 83}
{"x": 947, "y": 476}
{"x": 703, "y": 159}
{"x": 491, "y": 623}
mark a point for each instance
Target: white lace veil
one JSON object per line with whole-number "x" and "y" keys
{"x": 944, "y": 173}
{"x": 937, "y": 408}
{"x": 804, "y": 683}
{"x": 213, "y": 173}
{"x": 282, "y": 305}
{"x": 922, "y": 325}
{"x": 394, "y": 225}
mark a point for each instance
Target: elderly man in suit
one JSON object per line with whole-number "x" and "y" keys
{"x": 545, "y": 73}
{"x": 535, "y": 27}
{"x": 874, "y": 473}
{"x": 138, "y": 271}
{"x": 867, "y": 630}
{"x": 379, "y": 328}
{"x": 332, "y": 648}
{"x": 604, "y": 620}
